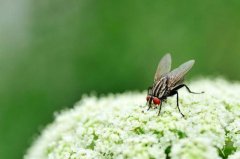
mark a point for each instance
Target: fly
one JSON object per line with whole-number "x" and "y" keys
{"x": 168, "y": 83}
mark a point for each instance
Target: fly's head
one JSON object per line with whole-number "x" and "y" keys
{"x": 151, "y": 98}
{"x": 155, "y": 100}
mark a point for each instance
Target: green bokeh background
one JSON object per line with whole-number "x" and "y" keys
{"x": 51, "y": 52}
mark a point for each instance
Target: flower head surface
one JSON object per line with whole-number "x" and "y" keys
{"x": 119, "y": 126}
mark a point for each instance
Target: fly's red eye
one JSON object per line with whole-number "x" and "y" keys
{"x": 156, "y": 101}
{"x": 147, "y": 98}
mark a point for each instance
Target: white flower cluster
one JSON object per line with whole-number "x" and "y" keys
{"x": 120, "y": 127}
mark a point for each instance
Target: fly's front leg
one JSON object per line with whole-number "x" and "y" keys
{"x": 149, "y": 107}
{"x": 160, "y": 107}
{"x": 150, "y": 100}
{"x": 149, "y": 104}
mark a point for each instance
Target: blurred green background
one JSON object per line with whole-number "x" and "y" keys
{"x": 51, "y": 52}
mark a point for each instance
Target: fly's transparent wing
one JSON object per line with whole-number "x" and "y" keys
{"x": 164, "y": 67}
{"x": 176, "y": 76}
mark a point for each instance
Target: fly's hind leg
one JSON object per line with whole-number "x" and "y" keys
{"x": 188, "y": 89}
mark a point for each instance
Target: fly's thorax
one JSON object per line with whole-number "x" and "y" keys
{"x": 160, "y": 87}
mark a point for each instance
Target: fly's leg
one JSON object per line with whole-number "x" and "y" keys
{"x": 178, "y": 105}
{"x": 188, "y": 89}
{"x": 173, "y": 93}
{"x": 149, "y": 104}
{"x": 149, "y": 107}
{"x": 191, "y": 91}
{"x": 160, "y": 107}
{"x": 150, "y": 100}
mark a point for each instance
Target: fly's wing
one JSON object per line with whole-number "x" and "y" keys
{"x": 164, "y": 67}
{"x": 176, "y": 76}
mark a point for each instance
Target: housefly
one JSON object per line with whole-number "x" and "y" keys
{"x": 167, "y": 83}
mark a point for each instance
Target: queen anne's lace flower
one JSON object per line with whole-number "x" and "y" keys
{"x": 195, "y": 148}
{"x": 236, "y": 155}
{"x": 119, "y": 126}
